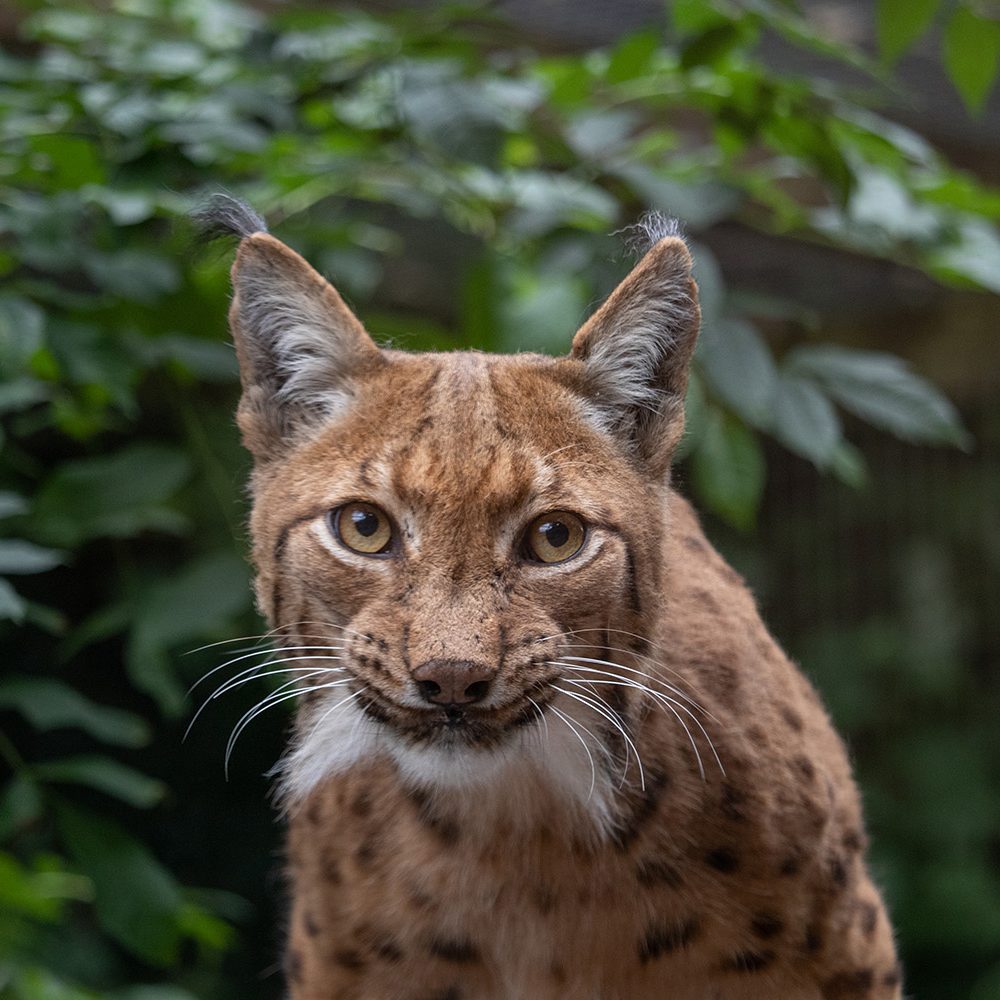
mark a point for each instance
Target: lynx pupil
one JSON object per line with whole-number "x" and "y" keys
{"x": 365, "y": 522}
{"x": 556, "y": 533}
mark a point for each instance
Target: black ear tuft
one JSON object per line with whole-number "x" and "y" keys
{"x": 648, "y": 231}
{"x": 223, "y": 215}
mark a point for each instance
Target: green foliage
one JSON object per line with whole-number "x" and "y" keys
{"x": 121, "y": 473}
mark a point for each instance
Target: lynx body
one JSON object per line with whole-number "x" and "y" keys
{"x": 545, "y": 748}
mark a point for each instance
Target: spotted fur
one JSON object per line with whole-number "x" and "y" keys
{"x": 650, "y": 801}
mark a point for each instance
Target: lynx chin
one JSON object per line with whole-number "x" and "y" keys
{"x": 545, "y": 748}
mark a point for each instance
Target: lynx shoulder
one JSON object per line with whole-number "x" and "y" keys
{"x": 545, "y": 746}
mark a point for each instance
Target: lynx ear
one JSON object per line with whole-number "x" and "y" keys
{"x": 636, "y": 351}
{"x": 298, "y": 344}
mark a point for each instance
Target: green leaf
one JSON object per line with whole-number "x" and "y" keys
{"x": 972, "y": 54}
{"x": 739, "y": 368}
{"x": 899, "y": 23}
{"x": 106, "y": 775}
{"x": 22, "y": 330}
{"x": 20, "y": 804}
{"x": 12, "y": 606}
{"x": 974, "y": 257}
{"x": 728, "y": 470}
{"x": 116, "y": 495}
{"x": 17, "y": 556}
{"x": 11, "y": 504}
{"x": 137, "y": 900}
{"x": 203, "y": 598}
{"x": 881, "y": 389}
{"x": 50, "y": 704}
{"x": 632, "y": 56}
{"x": 805, "y": 420}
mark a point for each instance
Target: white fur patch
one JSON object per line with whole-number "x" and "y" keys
{"x": 542, "y": 765}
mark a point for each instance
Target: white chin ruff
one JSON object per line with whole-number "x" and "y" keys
{"x": 542, "y": 761}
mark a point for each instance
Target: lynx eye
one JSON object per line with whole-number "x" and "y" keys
{"x": 555, "y": 537}
{"x": 362, "y": 527}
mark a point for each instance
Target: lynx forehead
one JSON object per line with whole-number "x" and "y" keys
{"x": 545, "y": 748}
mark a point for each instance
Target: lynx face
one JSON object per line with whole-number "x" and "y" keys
{"x": 456, "y": 532}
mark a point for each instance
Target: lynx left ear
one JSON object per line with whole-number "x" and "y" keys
{"x": 636, "y": 351}
{"x": 298, "y": 344}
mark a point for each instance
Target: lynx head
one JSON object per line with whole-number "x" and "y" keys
{"x": 454, "y": 537}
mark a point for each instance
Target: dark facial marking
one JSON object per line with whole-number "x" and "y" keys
{"x": 792, "y": 865}
{"x": 749, "y": 961}
{"x": 767, "y": 925}
{"x": 331, "y": 871}
{"x": 652, "y": 873}
{"x": 849, "y": 984}
{"x": 814, "y": 939}
{"x": 792, "y": 717}
{"x": 462, "y": 952}
{"x": 348, "y": 958}
{"x": 661, "y": 939}
{"x": 722, "y": 859}
{"x": 838, "y": 871}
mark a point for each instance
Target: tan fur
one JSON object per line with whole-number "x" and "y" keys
{"x": 486, "y": 872}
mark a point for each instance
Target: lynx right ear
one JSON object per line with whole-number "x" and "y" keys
{"x": 636, "y": 350}
{"x": 298, "y": 344}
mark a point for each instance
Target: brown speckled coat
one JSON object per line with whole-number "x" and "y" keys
{"x": 649, "y": 800}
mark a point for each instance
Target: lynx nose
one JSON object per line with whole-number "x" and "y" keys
{"x": 453, "y": 682}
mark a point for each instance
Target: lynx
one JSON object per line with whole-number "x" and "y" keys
{"x": 545, "y": 748}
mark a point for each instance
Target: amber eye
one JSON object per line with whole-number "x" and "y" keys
{"x": 555, "y": 537}
{"x": 362, "y": 527}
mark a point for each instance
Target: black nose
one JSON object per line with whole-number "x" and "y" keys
{"x": 453, "y": 682}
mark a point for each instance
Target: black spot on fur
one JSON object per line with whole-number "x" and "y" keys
{"x": 643, "y": 808}
{"x": 310, "y": 925}
{"x": 694, "y": 543}
{"x": 767, "y": 925}
{"x": 366, "y": 853}
{"x": 331, "y": 871}
{"x": 733, "y": 803}
{"x": 805, "y": 767}
{"x": 791, "y": 865}
{"x": 348, "y": 958}
{"x": 853, "y": 841}
{"x": 749, "y": 961}
{"x": 362, "y": 804}
{"x": 661, "y": 939}
{"x": 387, "y": 949}
{"x": 792, "y": 717}
{"x": 814, "y": 939}
{"x": 892, "y": 978}
{"x": 849, "y": 984}
{"x": 838, "y": 871}
{"x": 443, "y": 827}
{"x": 722, "y": 859}
{"x": 293, "y": 966}
{"x": 652, "y": 873}
{"x": 544, "y": 899}
{"x": 868, "y": 918}
{"x": 462, "y": 952}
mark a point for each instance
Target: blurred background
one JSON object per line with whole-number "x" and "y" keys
{"x": 459, "y": 173}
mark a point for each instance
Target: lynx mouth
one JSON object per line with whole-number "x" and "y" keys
{"x": 454, "y": 725}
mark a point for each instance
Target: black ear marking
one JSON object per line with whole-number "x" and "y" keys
{"x": 222, "y": 214}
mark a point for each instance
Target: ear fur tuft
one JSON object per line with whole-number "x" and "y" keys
{"x": 224, "y": 215}
{"x": 643, "y": 235}
{"x": 636, "y": 351}
{"x": 299, "y": 345}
